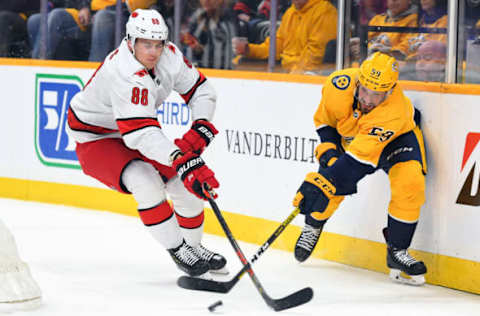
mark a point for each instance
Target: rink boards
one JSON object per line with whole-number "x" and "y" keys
{"x": 264, "y": 149}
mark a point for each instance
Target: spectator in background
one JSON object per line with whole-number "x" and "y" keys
{"x": 370, "y": 8}
{"x": 253, "y": 18}
{"x": 75, "y": 26}
{"x": 306, "y": 28}
{"x": 13, "y": 23}
{"x": 433, "y": 14}
{"x": 209, "y": 39}
{"x": 67, "y": 36}
{"x": 33, "y": 26}
{"x": 166, "y": 9}
{"x": 431, "y": 60}
{"x": 366, "y": 9}
{"x": 400, "y": 13}
{"x": 247, "y": 10}
{"x": 472, "y": 18}
{"x": 103, "y": 28}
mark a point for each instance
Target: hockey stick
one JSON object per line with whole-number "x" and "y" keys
{"x": 199, "y": 284}
{"x": 300, "y": 297}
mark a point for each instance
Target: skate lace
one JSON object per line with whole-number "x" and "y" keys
{"x": 186, "y": 255}
{"x": 309, "y": 237}
{"x": 203, "y": 253}
{"x": 404, "y": 257}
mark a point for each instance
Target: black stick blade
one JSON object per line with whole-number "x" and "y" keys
{"x": 303, "y": 296}
{"x": 191, "y": 283}
{"x": 298, "y": 298}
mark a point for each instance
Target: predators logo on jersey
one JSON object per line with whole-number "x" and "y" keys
{"x": 341, "y": 82}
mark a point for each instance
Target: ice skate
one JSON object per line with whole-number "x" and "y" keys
{"x": 399, "y": 260}
{"x": 188, "y": 261}
{"x": 216, "y": 262}
{"x": 306, "y": 242}
{"x": 403, "y": 267}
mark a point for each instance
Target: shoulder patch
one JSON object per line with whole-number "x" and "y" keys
{"x": 341, "y": 82}
{"x": 171, "y": 47}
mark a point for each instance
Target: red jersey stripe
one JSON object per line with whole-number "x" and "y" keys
{"x": 89, "y": 80}
{"x": 75, "y": 124}
{"x": 132, "y": 124}
{"x": 188, "y": 96}
{"x": 156, "y": 215}
{"x": 190, "y": 222}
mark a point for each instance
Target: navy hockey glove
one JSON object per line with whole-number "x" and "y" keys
{"x": 197, "y": 138}
{"x": 326, "y": 154}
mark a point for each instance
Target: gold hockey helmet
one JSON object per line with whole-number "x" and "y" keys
{"x": 379, "y": 72}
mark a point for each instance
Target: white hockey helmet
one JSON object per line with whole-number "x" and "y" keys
{"x": 147, "y": 24}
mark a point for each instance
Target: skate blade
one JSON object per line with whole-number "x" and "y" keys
{"x": 24, "y": 305}
{"x": 205, "y": 276}
{"x": 222, "y": 271}
{"x": 403, "y": 278}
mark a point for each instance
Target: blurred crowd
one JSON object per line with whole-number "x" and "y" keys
{"x": 229, "y": 34}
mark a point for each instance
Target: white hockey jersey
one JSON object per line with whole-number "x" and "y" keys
{"x": 121, "y": 100}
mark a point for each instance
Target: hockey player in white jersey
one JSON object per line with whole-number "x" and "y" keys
{"x": 120, "y": 141}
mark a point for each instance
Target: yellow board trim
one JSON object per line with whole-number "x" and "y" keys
{"x": 443, "y": 270}
{"x": 68, "y": 194}
{"x": 470, "y": 89}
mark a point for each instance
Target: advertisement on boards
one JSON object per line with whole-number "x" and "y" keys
{"x": 470, "y": 171}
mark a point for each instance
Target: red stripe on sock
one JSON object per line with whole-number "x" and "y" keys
{"x": 190, "y": 222}
{"x": 156, "y": 215}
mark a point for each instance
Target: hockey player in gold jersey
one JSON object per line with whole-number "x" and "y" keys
{"x": 366, "y": 123}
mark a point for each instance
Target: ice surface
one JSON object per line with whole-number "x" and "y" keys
{"x": 99, "y": 263}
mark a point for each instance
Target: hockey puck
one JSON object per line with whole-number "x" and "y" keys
{"x": 214, "y": 306}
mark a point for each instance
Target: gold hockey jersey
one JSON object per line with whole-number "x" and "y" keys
{"x": 364, "y": 136}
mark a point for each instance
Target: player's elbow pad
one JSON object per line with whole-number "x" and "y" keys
{"x": 328, "y": 134}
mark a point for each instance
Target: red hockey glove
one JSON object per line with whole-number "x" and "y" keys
{"x": 194, "y": 173}
{"x": 197, "y": 138}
